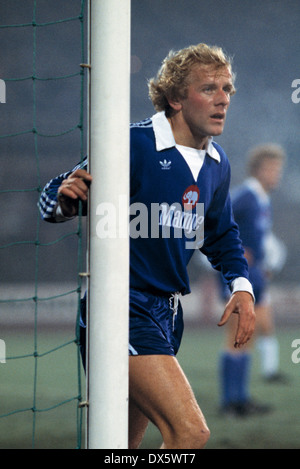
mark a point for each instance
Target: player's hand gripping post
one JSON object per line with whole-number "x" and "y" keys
{"x": 73, "y": 189}
{"x": 241, "y": 303}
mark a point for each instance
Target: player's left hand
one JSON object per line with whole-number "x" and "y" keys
{"x": 241, "y": 303}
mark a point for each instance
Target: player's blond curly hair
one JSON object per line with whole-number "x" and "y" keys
{"x": 172, "y": 79}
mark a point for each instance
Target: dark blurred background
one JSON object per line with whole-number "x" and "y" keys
{"x": 262, "y": 37}
{"x": 40, "y": 138}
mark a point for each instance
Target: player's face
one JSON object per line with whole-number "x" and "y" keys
{"x": 269, "y": 174}
{"x": 208, "y": 97}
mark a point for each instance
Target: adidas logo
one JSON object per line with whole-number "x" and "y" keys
{"x": 165, "y": 164}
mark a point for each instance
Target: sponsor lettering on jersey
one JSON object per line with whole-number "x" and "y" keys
{"x": 173, "y": 216}
{"x": 187, "y": 218}
{"x": 162, "y": 221}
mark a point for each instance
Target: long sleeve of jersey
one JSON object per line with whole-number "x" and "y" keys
{"x": 222, "y": 244}
{"x": 48, "y": 200}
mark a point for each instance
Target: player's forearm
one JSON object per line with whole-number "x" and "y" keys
{"x": 48, "y": 202}
{"x": 56, "y": 206}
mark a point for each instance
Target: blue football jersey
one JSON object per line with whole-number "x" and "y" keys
{"x": 169, "y": 207}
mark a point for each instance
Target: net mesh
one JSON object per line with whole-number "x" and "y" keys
{"x": 42, "y": 124}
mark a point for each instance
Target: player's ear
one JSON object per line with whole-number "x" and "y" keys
{"x": 175, "y": 104}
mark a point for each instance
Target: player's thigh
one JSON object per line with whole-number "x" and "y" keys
{"x": 264, "y": 319}
{"x": 160, "y": 389}
{"x": 138, "y": 423}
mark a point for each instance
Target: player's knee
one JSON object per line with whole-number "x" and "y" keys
{"x": 205, "y": 436}
{"x": 194, "y": 435}
{"x": 199, "y": 437}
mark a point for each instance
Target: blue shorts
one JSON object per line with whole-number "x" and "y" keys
{"x": 155, "y": 324}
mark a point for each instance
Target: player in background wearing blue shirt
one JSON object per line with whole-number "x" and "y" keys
{"x": 253, "y": 214}
{"x": 176, "y": 165}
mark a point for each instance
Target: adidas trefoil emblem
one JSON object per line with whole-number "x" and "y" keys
{"x": 165, "y": 164}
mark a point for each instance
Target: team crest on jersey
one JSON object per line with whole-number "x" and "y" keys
{"x": 190, "y": 197}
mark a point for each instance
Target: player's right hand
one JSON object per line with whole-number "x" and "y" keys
{"x": 73, "y": 189}
{"x": 76, "y": 185}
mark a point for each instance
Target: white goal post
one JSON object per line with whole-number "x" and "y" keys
{"x": 108, "y": 253}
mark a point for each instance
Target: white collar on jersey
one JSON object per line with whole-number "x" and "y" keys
{"x": 165, "y": 139}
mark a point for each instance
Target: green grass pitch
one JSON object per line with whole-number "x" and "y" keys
{"x": 57, "y": 381}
